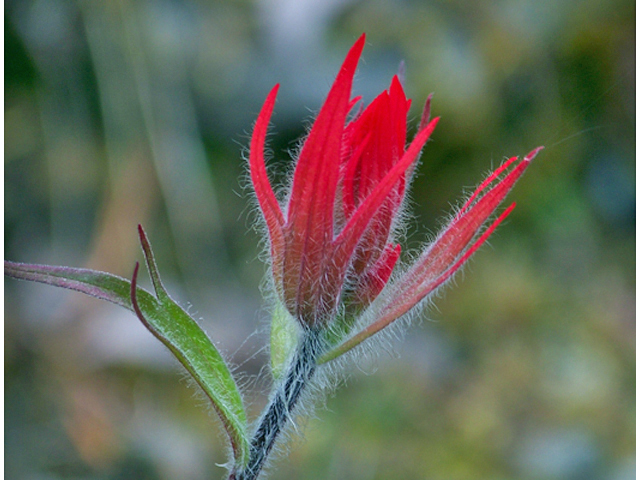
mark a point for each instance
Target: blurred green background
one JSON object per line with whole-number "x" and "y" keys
{"x": 122, "y": 112}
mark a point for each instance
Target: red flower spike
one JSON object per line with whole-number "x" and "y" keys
{"x": 334, "y": 242}
{"x": 301, "y": 242}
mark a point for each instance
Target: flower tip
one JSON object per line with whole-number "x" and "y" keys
{"x": 142, "y": 235}
{"x": 426, "y": 113}
{"x": 508, "y": 210}
{"x": 356, "y": 50}
{"x": 433, "y": 122}
{"x": 425, "y": 131}
{"x": 402, "y": 71}
{"x": 357, "y": 47}
{"x": 273, "y": 92}
{"x": 532, "y": 154}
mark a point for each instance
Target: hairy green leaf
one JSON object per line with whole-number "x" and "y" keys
{"x": 168, "y": 322}
{"x": 105, "y": 286}
{"x": 191, "y": 346}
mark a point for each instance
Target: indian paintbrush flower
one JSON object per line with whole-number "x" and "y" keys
{"x": 332, "y": 241}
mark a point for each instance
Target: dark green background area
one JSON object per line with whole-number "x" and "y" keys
{"x": 119, "y": 113}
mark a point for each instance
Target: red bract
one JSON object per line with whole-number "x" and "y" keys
{"x": 451, "y": 249}
{"x": 332, "y": 243}
{"x": 364, "y": 164}
{"x": 373, "y": 143}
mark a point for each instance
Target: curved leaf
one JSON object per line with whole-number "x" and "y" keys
{"x": 105, "y": 286}
{"x": 170, "y": 324}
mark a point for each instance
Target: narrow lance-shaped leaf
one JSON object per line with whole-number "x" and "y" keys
{"x": 191, "y": 346}
{"x": 105, "y": 286}
{"x": 167, "y": 321}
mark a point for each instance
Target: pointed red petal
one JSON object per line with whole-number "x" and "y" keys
{"x": 383, "y": 127}
{"x": 352, "y": 103}
{"x": 310, "y": 213}
{"x": 266, "y": 198}
{"x": 426, "y": 112}
{"x": 316, "y": 173}
{"x": 375, "y": 279}
{"x": 485, "y": 184}
{"x": 357, "y": 224}
{"x": 466, "y": 224}
{"x": 422, "y": 291}
{"x": 470, "y": 251}
{"x": 399, "y": 107}
{"x": 373, "y": 145}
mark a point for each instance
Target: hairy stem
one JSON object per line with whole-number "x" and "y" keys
{"x": 280, "y": 409}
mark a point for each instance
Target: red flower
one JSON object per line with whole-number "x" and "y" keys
{"x": 451, "y": 249}
{"x": 331, "y": 244}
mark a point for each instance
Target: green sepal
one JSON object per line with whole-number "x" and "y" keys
{"x": 284, "y": 339}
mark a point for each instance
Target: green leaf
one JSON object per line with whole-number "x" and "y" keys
{"x": 191, "y": 346}
{"x": 168, "y": 322}
{"x": 105, "y": 286}
{"x": 284, "y": 339}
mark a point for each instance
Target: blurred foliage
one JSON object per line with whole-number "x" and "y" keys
{"x": 119, "y": 113}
